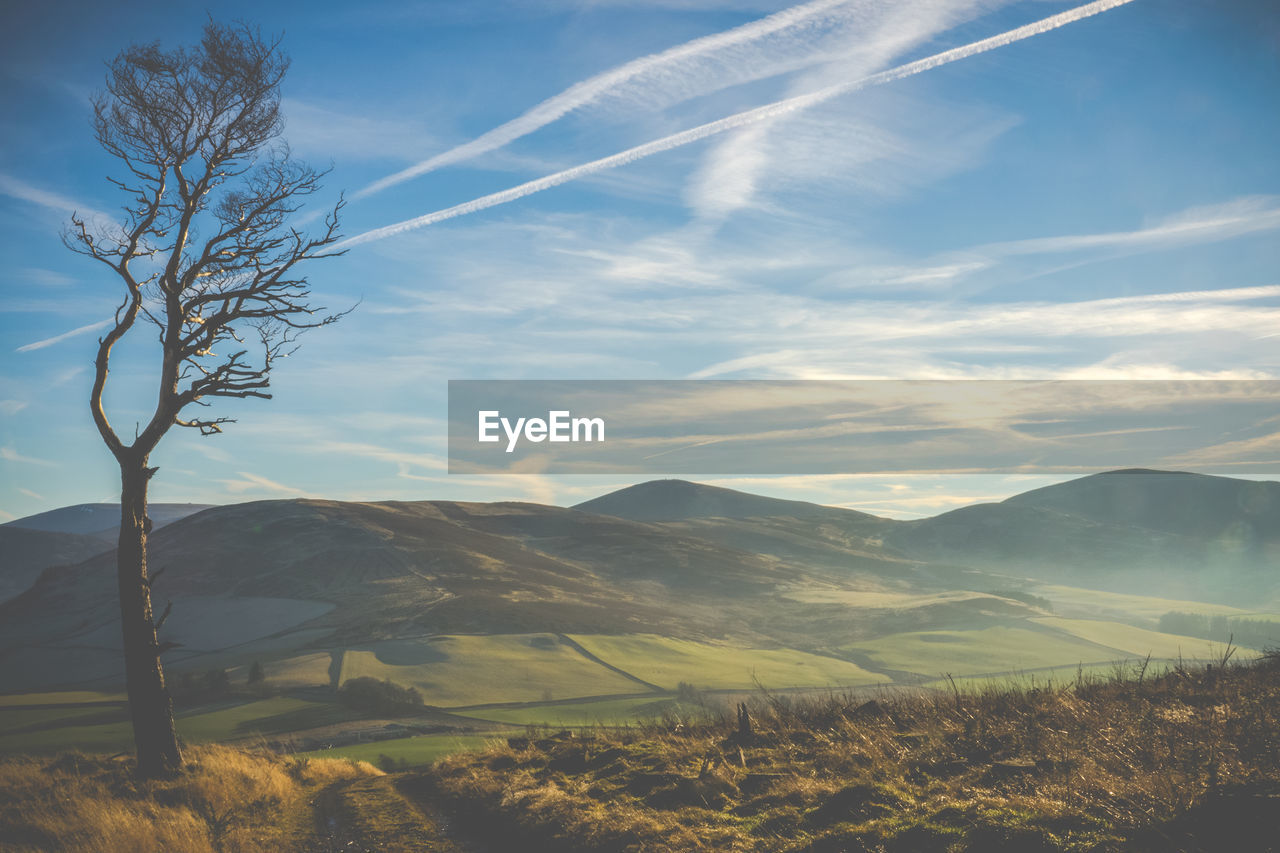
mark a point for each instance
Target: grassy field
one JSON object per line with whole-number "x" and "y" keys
{"x": 1072, "y": 600}
{"x": 265, "y": 716}
{"x": 1138, "y": 642}
{"x": 66, "y": 697}
{"x": 666, "y": 662}
{"x": 988, "y": 650}
{"x": 608, "y": 712}
{"x": 309, "y": 670}
{"x": 417, "y": 751}
{"x": 475, "y": 670}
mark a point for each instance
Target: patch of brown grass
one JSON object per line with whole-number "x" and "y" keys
{"x": 223, "y": 800}
{"x": 1189, "y": 760}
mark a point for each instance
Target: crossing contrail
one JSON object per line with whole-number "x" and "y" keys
{"x": 592, "y": 89}
{"x": 768, "y": 111}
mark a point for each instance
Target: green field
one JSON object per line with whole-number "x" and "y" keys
{"x": 988, "y": 650}
{"x": 1056, "y": 676}
{"x": 414, "y": 751}
{"x": 265, "y": 716}
{"x": 308, "y": 670}
{"x": 1070, "y": 599}
{"x": 666, "y": 662}
{"x": 65, "y": 697}
{"x": 476, "y": 670}
{"x": 609, "y": 712}
{"x": 1138, "y": 642}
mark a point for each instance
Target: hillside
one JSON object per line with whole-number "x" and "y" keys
{"x": 1189, "y": 535}
{"x": 272, "y": 577}
{"x": 66, "y": 535}
{"x": 680, "y": 500}
{"x": 101, "y": 519}
{"x": 324, "y": 591}
{"x": 27, "y": 552}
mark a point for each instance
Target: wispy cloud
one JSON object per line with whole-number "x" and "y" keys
{"x": 57, "y": 339}
{"x": 8, "y": 454}
{"x": 19, "y": 189}
{"x": 1198, "y": 225}
{"x": 671, "y": 64}
{"x": 12, "y": 407}
{"x": 742, "y": 119}
{"x": 251, "y": 482}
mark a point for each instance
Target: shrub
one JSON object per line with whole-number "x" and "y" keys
{"x": 379, "y": 697}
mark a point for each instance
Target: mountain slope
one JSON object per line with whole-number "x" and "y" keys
{"x": 24, "y": 553}
{"x": 101, "y": 519}
{"x": 1174, "y": 502}
{"x": 678, "y": 500}
{"x": 1185, "y": 535}
{"x": 319, "y": 574}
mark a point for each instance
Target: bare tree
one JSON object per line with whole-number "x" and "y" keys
{"x": 205, "y": 254}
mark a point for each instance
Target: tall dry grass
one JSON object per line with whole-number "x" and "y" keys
{"x": 225, "y": 800}
{"x": 1188, "y": 760}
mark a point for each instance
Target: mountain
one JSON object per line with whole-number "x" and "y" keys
{"x": 66, "y": 535}
{"x": 1185, "y": 535}
{"x": 101, "y": 519}
{"x": 679, "y": 500}
{"x": 285, "y": 578}
{"x": 26, "y": 552}
{"x": 1173, "y": 502}
{"x": 313, "y": 574}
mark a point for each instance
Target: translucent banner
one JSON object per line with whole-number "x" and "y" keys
{"x": 840, "y": 427}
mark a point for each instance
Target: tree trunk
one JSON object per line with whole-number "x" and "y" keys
{"x": 150, "y": 706}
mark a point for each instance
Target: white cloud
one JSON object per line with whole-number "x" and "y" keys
{"x": 57, "y": 339}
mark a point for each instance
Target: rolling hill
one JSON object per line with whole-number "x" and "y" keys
{"x": 1185, "y": 535}
{"x": 66, "y": 535}
{"x": 310, "y": 584}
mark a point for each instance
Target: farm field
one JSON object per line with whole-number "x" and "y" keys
{"x": 666, "y": 662}
{"x": 1072, "y": 600}
{"x": 459, "y": 671}
{"x": 65, "y": 697}
{"x": 278, "y": 714}
{"x": 608, "y": 712}
{"x": 1138, "y": 642}
{"x": 997, "y": 649}
{"x": 414, "y": 751}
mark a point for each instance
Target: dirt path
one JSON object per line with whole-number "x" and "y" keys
{"x": 387, "y": 814}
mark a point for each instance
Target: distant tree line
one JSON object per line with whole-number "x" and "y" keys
{"x": 379, "y": 697}
{"x": 1025, "y": 597}
{"x": 1218, "y": 627}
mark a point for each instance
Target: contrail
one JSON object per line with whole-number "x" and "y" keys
{"x": 589, "y": 90}
{"x": 737, "y": 120}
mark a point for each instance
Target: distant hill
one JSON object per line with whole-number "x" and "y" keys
{"x": 308, "y": 573}
{"x": 67, "y": 535}
{"x": 1170, "y": 501}
{"x": 101, "y": 519}
{"x": 668, "y": 557}
{"x": 1185, "y": 535}
{"x": 679, "y": 500}
{"x": 24, "y": 553}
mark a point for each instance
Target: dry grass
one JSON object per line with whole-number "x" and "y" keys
{"x": 224, "y": 800}
{"x": 1186, "y": 761}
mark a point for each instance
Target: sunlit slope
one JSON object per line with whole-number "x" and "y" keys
{"x": 666, "y": 662}
{"x": 275, "y": 579}
{"x": 463, "y": 670}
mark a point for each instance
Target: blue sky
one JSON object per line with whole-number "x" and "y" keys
{"x": 1097, "y": 201}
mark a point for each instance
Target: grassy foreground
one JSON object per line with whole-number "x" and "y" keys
{"x": 1188, "y": 760}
